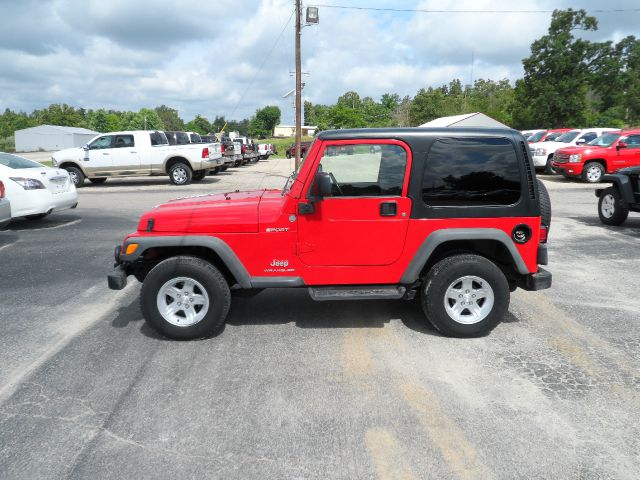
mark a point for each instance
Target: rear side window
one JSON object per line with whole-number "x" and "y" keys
{"x": 158, "y": 138}
{"x": 632, "y": 141}
{"x": 195, "y": 138}
{"x": 365, "y": 170}
{"x": 471, "y": 171}
{"x": 587, "y": 137}
{"x": 123, "y": 141}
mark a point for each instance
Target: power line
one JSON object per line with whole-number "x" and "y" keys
{"x": 421, "y": 10}
{"x": 264, "y": 60}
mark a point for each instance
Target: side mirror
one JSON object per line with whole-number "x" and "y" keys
{"x": 321, "y": 185}
{"x": 621, "y": 145}
{"x": 85, "y": 147}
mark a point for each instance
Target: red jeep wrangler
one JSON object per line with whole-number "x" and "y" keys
{"x": 454, "y": 215}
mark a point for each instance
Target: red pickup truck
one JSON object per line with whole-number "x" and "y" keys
{"x": 606, "y": 154}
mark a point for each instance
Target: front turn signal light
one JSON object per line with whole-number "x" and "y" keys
{"x": 131, "y": 248}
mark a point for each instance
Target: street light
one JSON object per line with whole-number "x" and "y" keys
{"x": 312, "y": 15}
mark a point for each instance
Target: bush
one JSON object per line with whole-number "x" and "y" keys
{"x": 7, "y": 144}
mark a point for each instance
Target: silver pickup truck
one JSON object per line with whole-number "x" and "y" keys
{"x": 136, "y": 153}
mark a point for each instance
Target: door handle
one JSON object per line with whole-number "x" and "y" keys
{"x": 388, "y": 209}
{"x": 133, "y": 152}
{"x": 105, "y": 153}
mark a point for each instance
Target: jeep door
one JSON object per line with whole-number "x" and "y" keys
{"x": 97, "y": 159}
{"x": 364, "y": 221}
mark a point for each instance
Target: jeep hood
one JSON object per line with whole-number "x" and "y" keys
{"x": 233, "y": 212}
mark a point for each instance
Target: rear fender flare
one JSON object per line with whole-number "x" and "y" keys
{"x": 420, "y": 259}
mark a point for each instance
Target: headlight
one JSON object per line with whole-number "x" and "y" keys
{"x": 540, "y": 151}
{"x": 575, "y": 158}
{"x": 28, "y": 183}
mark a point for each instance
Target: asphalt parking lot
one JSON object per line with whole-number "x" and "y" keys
{"x": 297, "y": 389}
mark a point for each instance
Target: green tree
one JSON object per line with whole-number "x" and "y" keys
{"x": 170, "y": 118}
{"x": 200, "y": 125}
{"x": 557, "y": 74}
{"x": 99, "y": 121}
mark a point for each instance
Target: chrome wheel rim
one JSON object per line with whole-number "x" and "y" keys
{"x": 182, "y": 301}
{"x": 594, "y": 174}
{"x": 179, "y": 175}
{"x": 469, "y": 300}
{"x": 74, "y": 177}
{"x": 608, "y": 206}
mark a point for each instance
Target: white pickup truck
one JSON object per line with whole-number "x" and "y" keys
{"x": 136, "y": 153}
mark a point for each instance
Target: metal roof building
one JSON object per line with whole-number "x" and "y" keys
{"x": 476, "y": 119}
{"x": 51, "y": 137}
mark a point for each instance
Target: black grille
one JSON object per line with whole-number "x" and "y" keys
{"x": 527, "y": 163}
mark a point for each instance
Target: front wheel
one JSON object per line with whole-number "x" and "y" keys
{"x": 180, "y": 174}
{"x": 76, "y": 175}
{"x": 592, "y": 172}
{"x": 548, "y": 169}
{"x": 185, "y": 298}
{"x": 465, "y": 295}
{"x": 612, "y": 210}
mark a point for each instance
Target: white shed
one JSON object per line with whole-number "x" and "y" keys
{"x": 477, "y": 119}
{"x": 51, "y": 138}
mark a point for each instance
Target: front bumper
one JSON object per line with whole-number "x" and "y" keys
{"x": 539, "y": 161}
{"x": 117, "y": 279}
{"x": 536, "y": 281}
{"x": 568, "y": 168}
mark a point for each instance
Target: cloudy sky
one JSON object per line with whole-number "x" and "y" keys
{"x": 222, "y": 57}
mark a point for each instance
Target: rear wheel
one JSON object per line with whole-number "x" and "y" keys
{"x": 76, "y": 175}
{"x": 98, "y": 181}
{"x": 185, "y": 298}
{"x": 612, "y": 210}
{"x": 465, "y": 295}
{"x": 180, "y": 174}
{"x": 592, "y": 172}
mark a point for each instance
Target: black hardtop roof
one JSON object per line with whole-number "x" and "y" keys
{"x": 414, "y": 133}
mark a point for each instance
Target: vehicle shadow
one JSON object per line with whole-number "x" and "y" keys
{"x": 284, "y": 306}
{"x": 49, "y": 222}
{"x": 145, "y": 182}
{"x": 631, "y": 226}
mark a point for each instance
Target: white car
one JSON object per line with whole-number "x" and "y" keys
{"x": 33, "y": 189}
{"x": 5, "y": 208}
{"x": 543, "y": 151}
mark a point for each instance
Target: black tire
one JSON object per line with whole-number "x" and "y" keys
{"x": 77, "y": 177}
{"x": 617, "y": 211}
{"x": 98, "y": 181}
{"x": 444, "y": 275}
{"x": 205, "y": 274}
{"x": 545, "y": 204}
{"x": 589, "y": 174}
{"x": 215, "y": 171}
{"x": 224, "y": 168}
{"x": 36, "y": 216}
{"x": 199, "y": 175}
{"x": 180, "y": 174}
{"x": 548, "y": 168}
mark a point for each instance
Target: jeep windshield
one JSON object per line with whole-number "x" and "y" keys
{"x": 568, "y": 137}
{"x": 294, "y": 174}
{"x": 605, "y": 140}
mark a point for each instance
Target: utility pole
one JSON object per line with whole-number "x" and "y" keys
{"x": 298, "y": 84}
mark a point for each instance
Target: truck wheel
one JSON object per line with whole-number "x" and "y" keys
{"x": 465, "y": 295}
{"x": 545, "y": 204}
{"x": 180, "y": 174}
{"x": 76, "y": 175}
{"x": 185, "y": 298}
{"x": 548, "y": 169}
{"x": 612, "y": 210}
{"x": 199, "y": 175}
{"x": 98, "y": 181}
{"x": 592, "y": 172}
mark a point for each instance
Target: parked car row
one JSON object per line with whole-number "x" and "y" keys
{"x": 183, "y": 156}
{"x": 586, "y": 154}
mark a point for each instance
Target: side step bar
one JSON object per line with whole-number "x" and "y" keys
{"x": 360, "y": 292}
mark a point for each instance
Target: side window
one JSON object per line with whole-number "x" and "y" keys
{"x": 471, "y": 171}
{"x": 365, "y": 170}
{"x": 100, "y": 143}
{"x": 633, "y": 141}
{"x": 158, "y": 138}
{"x": 587, "y": 137}
{"x": 123, "y": 141}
